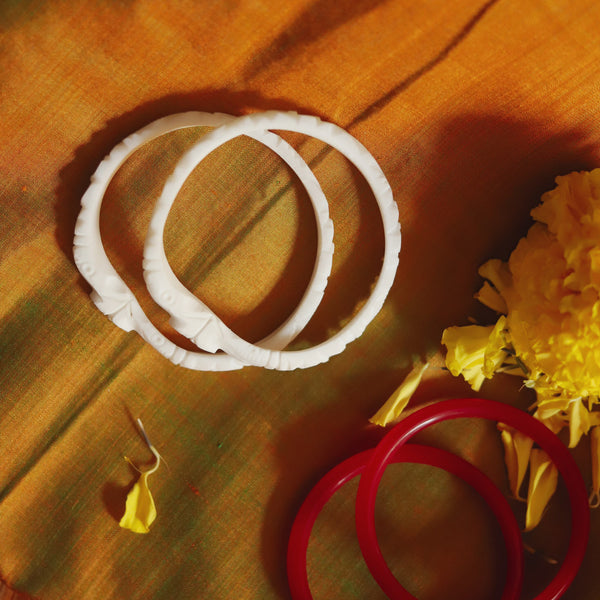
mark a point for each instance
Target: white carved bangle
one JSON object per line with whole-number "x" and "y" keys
{"x": 193, "y": 319}
{"x": 114, "y": 298}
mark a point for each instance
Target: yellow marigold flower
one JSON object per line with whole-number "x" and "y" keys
{"x": 548, "y": 294}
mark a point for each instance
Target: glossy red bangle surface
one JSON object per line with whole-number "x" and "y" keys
{"x": 394, "y": 441}
{"x": 413, "y": 453}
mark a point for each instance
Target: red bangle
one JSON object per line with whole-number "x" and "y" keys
{"x": 353, "y": 466}
{"x": 394, "y": 441}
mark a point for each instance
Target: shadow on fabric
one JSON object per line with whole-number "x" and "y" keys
{"x": 472, "y": 198}
{"x": 470, "y": 203}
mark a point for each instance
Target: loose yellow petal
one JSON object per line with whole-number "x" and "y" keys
{"x": 595, "y": 449}
{"x": 397, "y": 402}
{"x": 517, "y": 450}
{"x": 140, "y": 510}
{"x": 543, "y": 479}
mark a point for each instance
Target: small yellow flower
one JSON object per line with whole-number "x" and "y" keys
{"x": 140, "y": 510}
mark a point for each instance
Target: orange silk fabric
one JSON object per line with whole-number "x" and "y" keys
{"x": 471, "y": 109}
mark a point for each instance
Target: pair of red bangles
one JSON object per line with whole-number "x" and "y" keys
{"x": 371, "y": 464}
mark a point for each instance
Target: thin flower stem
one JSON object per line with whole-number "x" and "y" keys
{"x": 152, "y": 449}
{"x": 141, "y": 426}
{"x": 157, "y": 456}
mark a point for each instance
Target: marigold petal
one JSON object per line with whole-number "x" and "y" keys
{"x": 498, "y": 274}
{"x": 517, "y": 450}
{"x": 554, "y": 422}
{"x": 397, "y": 402}
{"x": 579, "y": 421}
{"x": 490, "y": 297}
{"x": 551, "y": 407}
{"x": 474, "y": 377}
{"x": 495, "y": 354}
{"x": 476, "y": 352}
{"x": 543, "y": 479}
{"x": 594, "y": 417}
{"x": 140, "y": 510}
{"x": 466, "y": 351}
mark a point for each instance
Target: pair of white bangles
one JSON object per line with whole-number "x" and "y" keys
{"x": 189, "y": 315}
